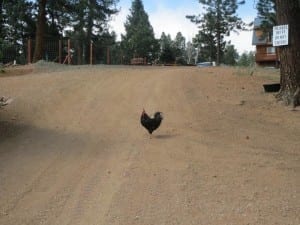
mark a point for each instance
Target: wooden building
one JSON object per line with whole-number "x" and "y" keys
{"x": 266, "y": 54}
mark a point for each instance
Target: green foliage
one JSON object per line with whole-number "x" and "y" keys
{"x": 179, "y": 48}
{"x": 230, "y": 55}
{"x": 266, "y": 10}
{"x": 206, "y": 45}
{"x": 89, "y": 21}
{"x": 247, "y": 59}
{"x": 172, "y": 51}
{"x": 60, "y": 14}
{"x": 91, "y": 16}
{"x": 81, "y": 19}
{"x": 139, "y": 40}
{"x": 167, "y": 52}
{"x": 1, "y": 51}
{"x": 17, "y": 20}
{"x": 219, "y": 20}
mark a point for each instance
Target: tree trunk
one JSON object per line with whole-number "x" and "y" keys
{"x": 1, "y": 20}
{"x": 218, "y": 28}
{"x": 40, "y": 31}
{"x": 89, "y": 28}
{"x": 287, "y": 12}
{"x": 79, "y": 53}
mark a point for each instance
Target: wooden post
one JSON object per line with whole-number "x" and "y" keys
{"x": 59, "y": 51}
{"x": 29, "y": 51}
{"x": 79, "y": 54}
{"x": 69, "y": 51}
{"x": 91, "y": 53}
{"x": 107, "y": 56}
{"x": 122, "y": 57}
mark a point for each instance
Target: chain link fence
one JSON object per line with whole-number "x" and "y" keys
{"x": 64, "y": 51}
{"x": 12, "y": 53}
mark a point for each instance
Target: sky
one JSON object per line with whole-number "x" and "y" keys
{"x": 169, "y": 16}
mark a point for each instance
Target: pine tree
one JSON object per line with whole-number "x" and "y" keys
{"x": 246, "y": 59}
{"x": 205, "y": 40}
{"x": 16, "y": 21}
{"x": 266, "y": 11}
{"x": 243, "y": 60}
{"x": 90, "y": 18}
{"x": 277, "y": 12}
{"x": 230, "y": 55}
{"x": 219, "y": 20}
{"x": 179, "y": 48}
{"x": 1, "y": 20}
{"x": 60, "y": 14}
{"x": 167, "y": 52}
{"x": 40, "y": 31}
{"x": 287, "y": 12}
{"x": 139, "y": 40}
{"x": 17, "y": 24}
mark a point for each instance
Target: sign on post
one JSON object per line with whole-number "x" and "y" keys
{"x": 281, "y": 35}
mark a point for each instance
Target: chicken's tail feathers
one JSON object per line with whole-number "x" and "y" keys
{"x": 144, "y": 114}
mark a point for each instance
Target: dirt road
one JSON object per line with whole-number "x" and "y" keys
{"x": 72, "y": 150}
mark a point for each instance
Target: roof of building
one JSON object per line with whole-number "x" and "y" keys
{"x": 258, "y": 38}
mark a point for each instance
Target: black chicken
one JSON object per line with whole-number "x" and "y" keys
{"x": 149, "y": 123}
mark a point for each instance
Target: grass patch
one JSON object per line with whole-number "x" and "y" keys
{"x": 271, "y": 74}
{"x": 244, "y": 71}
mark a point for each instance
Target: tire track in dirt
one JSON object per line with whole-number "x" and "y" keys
{"x": 95, "y": 180}
{"x": 103, "y": 168}
{"x": 152, "y": 187}
{"x": 49, "y": 190}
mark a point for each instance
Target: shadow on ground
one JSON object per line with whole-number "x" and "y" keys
{"x": 165, "y": 136}
{"x": 34, "y": 140}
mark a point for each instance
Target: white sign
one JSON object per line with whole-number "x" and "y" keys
{"x": 281, "y": 35}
